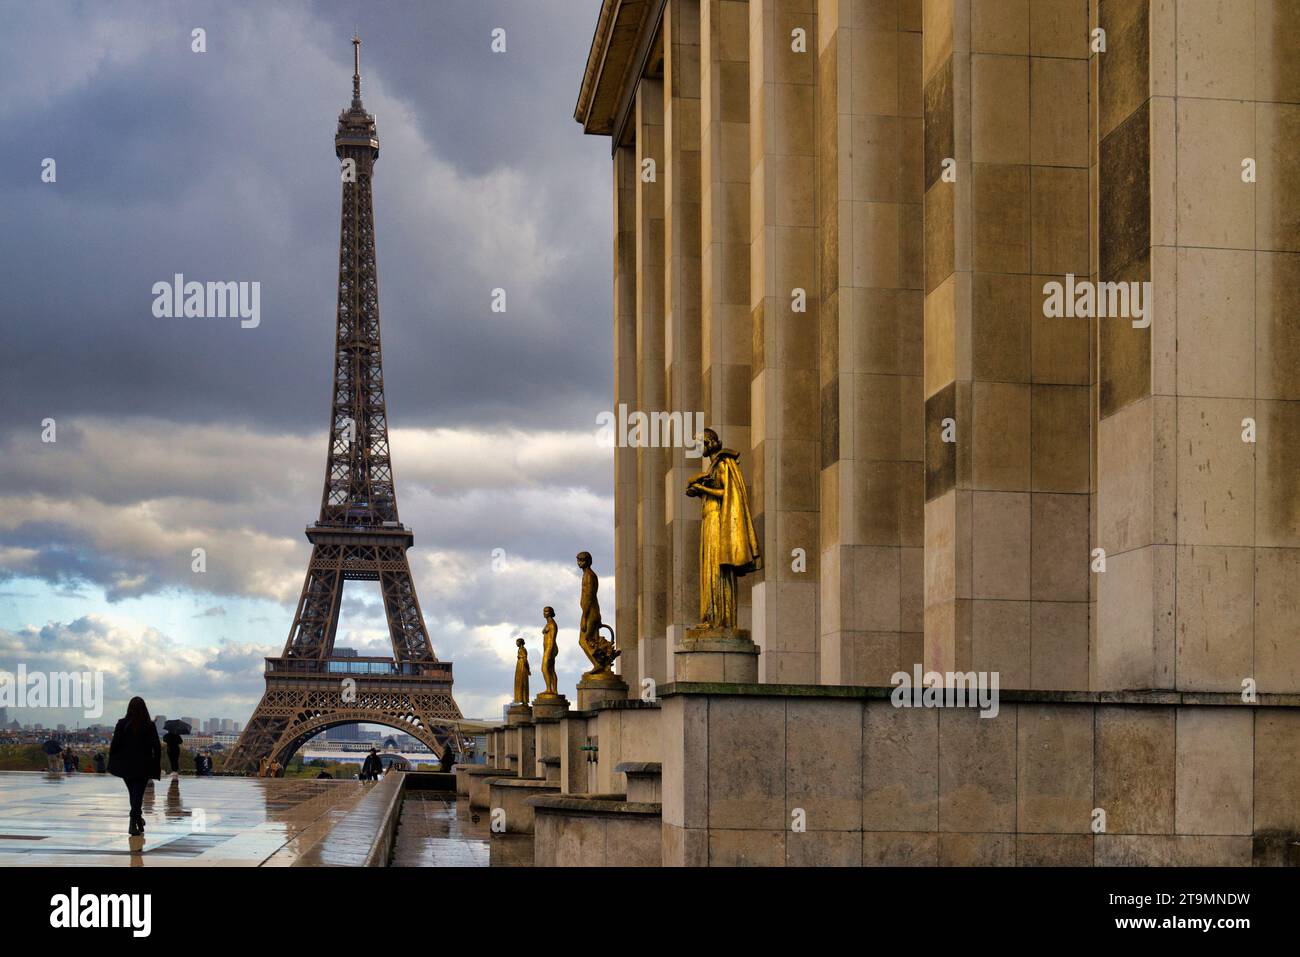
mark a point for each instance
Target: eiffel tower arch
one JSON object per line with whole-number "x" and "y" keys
{"x": 358, "y": 536}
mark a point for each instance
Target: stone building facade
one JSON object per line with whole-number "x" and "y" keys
{"x": 843, "y": 231}
{"x": 834, "y": 225}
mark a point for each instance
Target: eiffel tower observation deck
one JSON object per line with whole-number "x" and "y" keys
{"x": 359, "y": 535}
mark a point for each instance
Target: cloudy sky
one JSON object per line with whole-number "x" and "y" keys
{"x": 176, "y": 434}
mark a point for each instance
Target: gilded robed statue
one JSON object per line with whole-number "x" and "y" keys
{"x": 728, "y": 543}
{"x": 522, "y": 671}
{"x": 600, "y": 651}
{"x": 549, "y": 653}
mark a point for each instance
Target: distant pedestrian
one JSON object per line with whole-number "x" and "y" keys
{"x": 101, "y": 763}
{"x": 262, "y": 765}
{"x": 372, "y": 766}
{"x": 135, "y": 756}
{"x": 69, "y": 761}
{"x": 276, "y": 770}
{"x": 173, "y": 740}
{"x": 53, "y": 755}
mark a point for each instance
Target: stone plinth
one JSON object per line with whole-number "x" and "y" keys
{"x": 551, "y": 765}
{"x": 477, "y": 780}
{"x": 600, "y": 830}
{"x": 519, "y": 713}
{"x": 593, "y": 689}
{"x": 462, "y": 778}
{"x": 643, "y": 781}
{"x": 521, "y": 749}
{"x": 548, "y": 714}
{"x": 716, "y": 655}
{"x": 510, "y": 795}
{"x": 547, "y": 706}
{"x": 496, "y": 753}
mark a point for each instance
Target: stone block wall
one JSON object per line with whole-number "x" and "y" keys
{"x": 803, "y": 776}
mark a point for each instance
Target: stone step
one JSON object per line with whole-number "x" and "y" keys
{"x": 644, "y": 781}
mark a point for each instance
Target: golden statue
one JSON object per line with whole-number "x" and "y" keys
{"x": 728, "y": 544}
{"x": 522, "y": 671}
{"x": 600, "y": 651}
{"x": 549, "y": 653}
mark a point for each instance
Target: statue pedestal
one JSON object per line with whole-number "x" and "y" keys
{"x": 716, "y": 655}
{"x": 548, "y": 706}
{"x": 593, "y": 689}
{"x": 519, "y": 713}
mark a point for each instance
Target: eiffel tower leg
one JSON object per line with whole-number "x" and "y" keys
{"x": 317, "y": 617}
{"x": 264, "y": 728}
{"x": 405, "y": 621}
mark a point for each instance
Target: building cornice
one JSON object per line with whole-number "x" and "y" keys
{"x": 617, "y": 49}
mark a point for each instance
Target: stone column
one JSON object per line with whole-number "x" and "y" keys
{"x": 724, "y": 224}
{"x": 869, "y": 185}
{"x": 1006, "y": 213}
{"x": 1200, "y": 525}
{"x": 648, "y": 658}
{"x": 626, "y": 547}
{"x": 682, "y": 306}
{"x": 784, "y": 299}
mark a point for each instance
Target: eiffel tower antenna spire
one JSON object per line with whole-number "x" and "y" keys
{"x": 356, "y": 71}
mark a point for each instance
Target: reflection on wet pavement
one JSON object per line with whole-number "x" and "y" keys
{"x": 438, "y": 830}
{"x": 81, "y": 819}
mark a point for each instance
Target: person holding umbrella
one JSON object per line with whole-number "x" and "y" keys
{"x": 53, "y": 755}
{"x": 175, "y": 728}
{"x": 135, "y": 756}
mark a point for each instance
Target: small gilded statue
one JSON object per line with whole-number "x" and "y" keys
{"x": 522, "y": 671}
{"x": 728, "y": 544}
{"x": 600, "y": 651}
{"x": 549, "y": 653}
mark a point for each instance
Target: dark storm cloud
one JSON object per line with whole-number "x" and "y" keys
{"x": 220, "y": 166}
{"x": 183, "y": 433}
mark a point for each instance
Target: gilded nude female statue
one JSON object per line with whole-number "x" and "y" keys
{"x": 549, "y": 653}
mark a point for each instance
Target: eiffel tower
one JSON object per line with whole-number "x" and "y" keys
{"x": 359, "y": 536}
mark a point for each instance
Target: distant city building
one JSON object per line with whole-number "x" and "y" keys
{"x": 345, "y": 653}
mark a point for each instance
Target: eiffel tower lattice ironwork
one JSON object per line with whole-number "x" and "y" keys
{"x": 359, "y": 535}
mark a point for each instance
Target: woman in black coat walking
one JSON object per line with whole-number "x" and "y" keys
{"x": 135, "y": 756}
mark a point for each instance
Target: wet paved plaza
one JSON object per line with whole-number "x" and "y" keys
{"x": 81, "y": 819}
{"x": 437, "y": 830}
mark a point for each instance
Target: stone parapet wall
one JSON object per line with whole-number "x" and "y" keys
{"x": 764, "y": 775}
